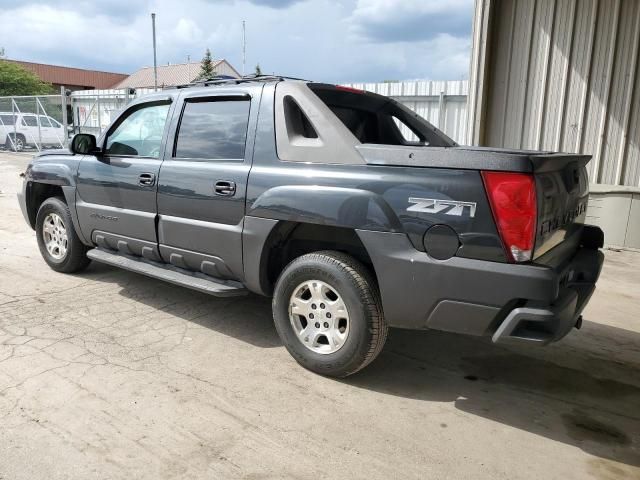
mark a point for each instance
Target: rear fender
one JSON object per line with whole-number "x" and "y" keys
{"x": 333, "y": 206}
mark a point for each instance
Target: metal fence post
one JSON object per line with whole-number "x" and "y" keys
{"x": 441, "y": 112}
{"x": 63, "y": 103}
{"x": 15, "y": 125}
{"x": 99, "y": 119}
{"x": 38, "y": 122}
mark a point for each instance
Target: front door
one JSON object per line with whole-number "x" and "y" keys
{"x": 116, "y": 190}
{"x": 202, "y": 184}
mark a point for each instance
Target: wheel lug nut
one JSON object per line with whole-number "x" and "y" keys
{"x": 311, "y": 316}
{"x": 326, "y": 324}
{"x": 328, "y": 315}
{"x": 322, "y": 305}
{"x": 317, "y": 325}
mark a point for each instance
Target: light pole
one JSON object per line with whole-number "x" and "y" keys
{"x": 155, "y": 59}
{"x": 244, "y": 47}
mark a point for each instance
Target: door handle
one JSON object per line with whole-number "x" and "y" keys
{"x": 225, "y": 188}
{"x": 146, "y": 179}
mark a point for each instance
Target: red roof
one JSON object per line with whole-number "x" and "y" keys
{"x": 69, "y": 76}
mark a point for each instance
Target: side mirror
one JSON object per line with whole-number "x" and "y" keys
{"x": 84, "y": 144}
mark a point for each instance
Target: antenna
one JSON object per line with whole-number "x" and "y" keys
{"x": 244, "y": 46}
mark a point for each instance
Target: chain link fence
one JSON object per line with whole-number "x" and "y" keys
{"x": 33, "y": 122}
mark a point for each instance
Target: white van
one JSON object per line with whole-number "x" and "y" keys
{"x": 21, "y": 130}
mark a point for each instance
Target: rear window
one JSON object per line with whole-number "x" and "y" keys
{"x": 375, "y": 119}
{"x": 213, "y": 129}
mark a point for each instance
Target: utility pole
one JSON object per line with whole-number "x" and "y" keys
{"x": 155, "y": 59}
{"x": 244, "y": 46}
{"x": 188, "y": 68}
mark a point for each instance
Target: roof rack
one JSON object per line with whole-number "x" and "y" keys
{"x": 225, "y": 80}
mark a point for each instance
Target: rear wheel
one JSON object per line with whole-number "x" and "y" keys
{"x": 57, "y": 239}
{"x": 15, "y": 143}
{"x": 328, "y": 314}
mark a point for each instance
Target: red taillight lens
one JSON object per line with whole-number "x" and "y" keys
{"x": 513, "y": 201}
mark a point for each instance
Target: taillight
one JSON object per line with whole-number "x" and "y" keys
{"x": 513, "y": 201}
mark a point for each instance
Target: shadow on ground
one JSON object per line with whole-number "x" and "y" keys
{"x": 579, "y": 392}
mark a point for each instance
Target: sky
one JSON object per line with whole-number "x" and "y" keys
{"x": 334, "y": 41}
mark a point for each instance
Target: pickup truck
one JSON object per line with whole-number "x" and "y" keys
{"x": 352, "y": 212}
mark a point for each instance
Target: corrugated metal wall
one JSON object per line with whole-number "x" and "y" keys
{"x": 561, "y": 75}
{"x": 444, "y": 104}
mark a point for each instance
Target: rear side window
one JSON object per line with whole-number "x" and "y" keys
{"x": 213, "y": 129}
{"x": 30, "y": 121}
{"x": 7, "y": 119}
{"x": 44, "y": 122}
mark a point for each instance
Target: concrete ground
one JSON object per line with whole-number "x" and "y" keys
{"x": 111, "y": 375}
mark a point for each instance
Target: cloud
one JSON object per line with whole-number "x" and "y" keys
{"x": 410, "y": 20}
{"x": 312, "y": 39}
{"x": 275, "y": 3}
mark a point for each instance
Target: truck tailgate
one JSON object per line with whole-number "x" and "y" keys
{"x": 562, "y": 188}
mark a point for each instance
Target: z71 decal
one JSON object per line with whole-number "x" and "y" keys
{"x": 439, "y": 205}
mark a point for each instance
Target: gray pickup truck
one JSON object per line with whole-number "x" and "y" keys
{"x": 347, "y": 208}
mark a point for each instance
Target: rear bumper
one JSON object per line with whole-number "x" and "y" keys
{"x": 536, "y": 323}
{"x": 509, "y": 302}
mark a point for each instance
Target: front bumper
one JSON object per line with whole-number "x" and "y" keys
{"x": 509, "y": 302}
{"x": 22, "y": 200}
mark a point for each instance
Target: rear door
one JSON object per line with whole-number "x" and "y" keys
{"x": 116, "y": 190}
{"x": 46, "y": 133}
{"x": 203, "y": 179}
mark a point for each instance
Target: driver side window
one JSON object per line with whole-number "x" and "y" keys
{"x": 139, "y": 133}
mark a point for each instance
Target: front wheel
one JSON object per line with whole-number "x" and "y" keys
{"x": 328, "y": 313}
{"x": 57, "y": 239}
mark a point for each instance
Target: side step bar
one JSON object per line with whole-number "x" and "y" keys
{"x": 169, "y": 273}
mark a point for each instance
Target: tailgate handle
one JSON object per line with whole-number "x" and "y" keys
{"x": 571, "y": 177}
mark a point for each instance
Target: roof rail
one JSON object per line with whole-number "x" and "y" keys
{"x": 225, "y": 80}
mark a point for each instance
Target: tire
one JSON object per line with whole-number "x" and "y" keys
{"x": 74, "y": 258}
{"x": 17, "y": 145}
{"x": 355, "y": 288}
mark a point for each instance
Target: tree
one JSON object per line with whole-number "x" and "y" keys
{"x": 206, "y": 66}
{"x": 258, "y": 70}
{"x": 17, "y": 80}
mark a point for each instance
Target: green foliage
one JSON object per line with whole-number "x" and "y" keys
{"x": 258, "y": 70}
{"x": 206, "y": 66}
{"x": 17, "y": 80}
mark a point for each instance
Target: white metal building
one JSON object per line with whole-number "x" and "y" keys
{"x": 563, "y": 75}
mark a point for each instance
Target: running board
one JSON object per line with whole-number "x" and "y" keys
{"x": 169, "y": 273}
